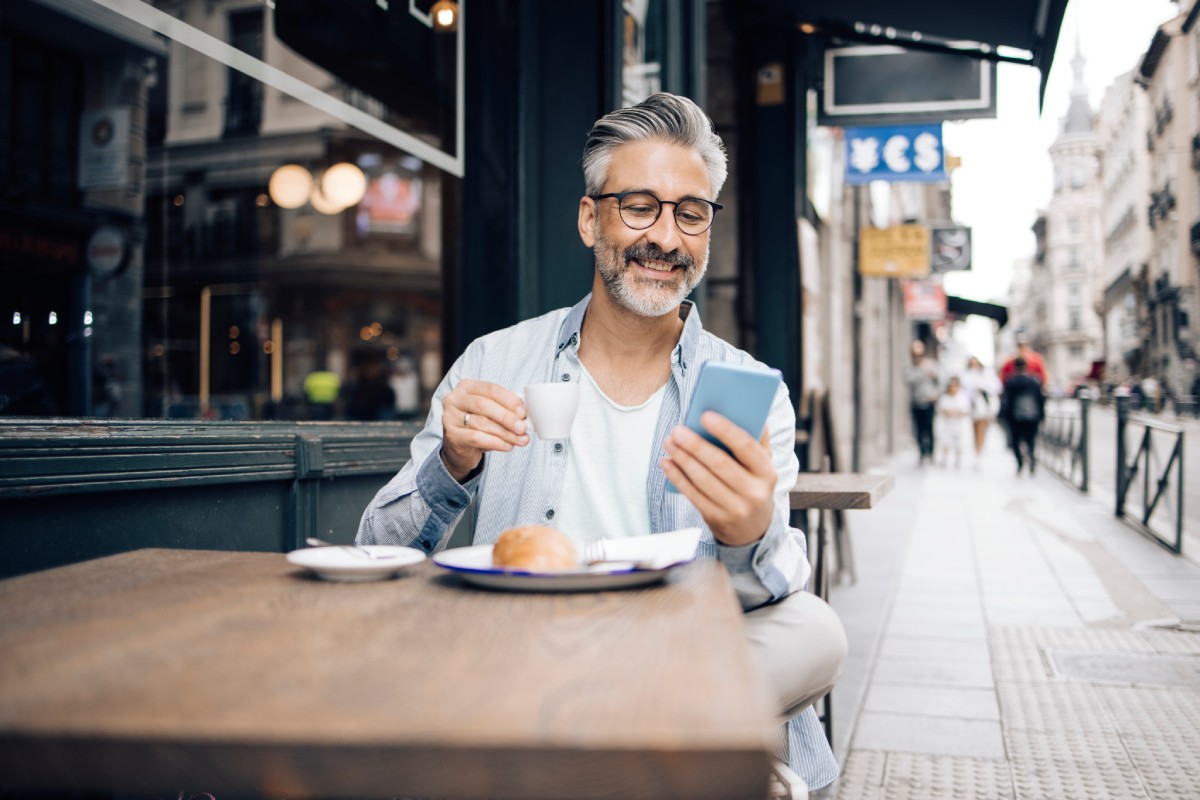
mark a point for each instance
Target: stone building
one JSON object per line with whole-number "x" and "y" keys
{"x": 1125, "y": 171}
{"x": 1071, "y": 272}
{"x": 1169, "y": 73}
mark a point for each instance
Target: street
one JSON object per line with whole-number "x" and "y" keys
{"x": 1010, "y": 639}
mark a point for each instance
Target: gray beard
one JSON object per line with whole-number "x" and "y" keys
{"x": 643, "y": 296}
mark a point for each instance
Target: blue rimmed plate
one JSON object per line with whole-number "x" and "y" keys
{"x": 474, "y": 565}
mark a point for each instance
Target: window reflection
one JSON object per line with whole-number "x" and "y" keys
{"x": 137, "y": 213}
{"x": 643, "y": 50}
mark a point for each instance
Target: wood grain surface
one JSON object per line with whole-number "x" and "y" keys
{"x": 835, "y": 491}
{"x": 216, "y": 671}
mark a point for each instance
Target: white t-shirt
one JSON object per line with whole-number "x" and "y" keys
{"x": 953, "y": 419}
{"x": 604, "y": 489}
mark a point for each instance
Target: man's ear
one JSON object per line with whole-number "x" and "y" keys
{"x": 587, "y": 221}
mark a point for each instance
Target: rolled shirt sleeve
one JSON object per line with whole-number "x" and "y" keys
{"x": 419, "y": 506}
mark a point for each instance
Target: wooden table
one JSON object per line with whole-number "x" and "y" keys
{"x": 161, "y": 670}
{"x": 838, "y": 491}
{"x": 835, "y": 491}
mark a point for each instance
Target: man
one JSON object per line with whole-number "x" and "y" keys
{"x": 923, "y": 396}
{"x": 1023, "y": 407}
{"x": 1034, "y": 363}
{"x": 635, "y": 346}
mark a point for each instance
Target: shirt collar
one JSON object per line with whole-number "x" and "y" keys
{"x": 685, "y": 350}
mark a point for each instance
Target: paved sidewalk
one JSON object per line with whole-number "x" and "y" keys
{"x": 1010, "y": 639}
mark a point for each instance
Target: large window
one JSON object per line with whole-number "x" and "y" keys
{"x": 235, "y": 210}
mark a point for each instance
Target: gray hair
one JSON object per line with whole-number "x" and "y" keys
{"x": 668, "y": 117}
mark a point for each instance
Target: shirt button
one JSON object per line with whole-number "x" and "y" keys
{"x": 566, "y": 378}
{"x": 558, "y": 447}
{"x": 550, "y": 514}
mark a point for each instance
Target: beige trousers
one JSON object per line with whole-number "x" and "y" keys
{"x": 799, "y": 646}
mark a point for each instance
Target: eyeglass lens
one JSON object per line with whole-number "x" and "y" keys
{"x": 639, "y": 211}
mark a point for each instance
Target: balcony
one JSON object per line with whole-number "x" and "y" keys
{"x": 1163, "y": 115}
{"x": 1162, "y": 203}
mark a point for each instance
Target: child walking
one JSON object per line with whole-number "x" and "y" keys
{"x": 953, "y": 423}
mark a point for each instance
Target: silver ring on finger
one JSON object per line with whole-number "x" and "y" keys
{"x": 466, "y": 420}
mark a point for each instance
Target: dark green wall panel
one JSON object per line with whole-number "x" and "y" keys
{"x": 43, "y": 532}
{"x": 72, "y": 490}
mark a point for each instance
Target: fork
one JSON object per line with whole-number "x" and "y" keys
{"x": 313, "y": 541}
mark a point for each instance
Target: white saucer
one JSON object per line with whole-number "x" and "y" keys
{"x": 344, "y": 564}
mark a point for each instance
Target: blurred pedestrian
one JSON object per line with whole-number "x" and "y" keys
{"x": 1034, "y": 363}
{"x": 406, "y": 387}
{"x": 923, "y": 394}
{"x": 370, "y": 397}
{"x": 1151, "y": 393}
{"x": 1137, "y": 396}
{"x": 982, "y": 389}
{"x": 1023, "y": 408}
{"x": 321, "y": 389}
{"x": 23, "y": 393}
{"x": 106, "y": 387}
{"x": 1196, "y": 395}
{"x": 953, "y": 423}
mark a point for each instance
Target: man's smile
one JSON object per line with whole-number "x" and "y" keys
{"x": 651, "y": 265}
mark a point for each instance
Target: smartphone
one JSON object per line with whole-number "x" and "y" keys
{"x": 741, "y": 394}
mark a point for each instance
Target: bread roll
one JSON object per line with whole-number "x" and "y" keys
{"x": 534, "y": 547}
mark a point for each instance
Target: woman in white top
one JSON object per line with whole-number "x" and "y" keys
{"x": 982, "y": 389}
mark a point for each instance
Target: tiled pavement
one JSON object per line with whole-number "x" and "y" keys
{"x": 1010, "y": 639}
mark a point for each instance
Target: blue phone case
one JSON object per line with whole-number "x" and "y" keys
{"x": 743, "y": 395}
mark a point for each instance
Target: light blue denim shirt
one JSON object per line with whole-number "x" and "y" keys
{"x": 420, "y": 506}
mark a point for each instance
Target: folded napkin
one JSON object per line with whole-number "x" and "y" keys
{"x": 661, "y": 549}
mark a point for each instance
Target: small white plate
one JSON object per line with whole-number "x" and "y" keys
{"x": 344, "y": 564}
{"x": 474, "y": 565}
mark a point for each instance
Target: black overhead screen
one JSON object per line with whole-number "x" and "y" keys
{"x": 1031, "y": 25}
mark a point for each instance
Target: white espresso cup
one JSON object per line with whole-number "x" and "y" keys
{"x": 551, "y": 407}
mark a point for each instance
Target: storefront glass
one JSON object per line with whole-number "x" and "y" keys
{"x": 224, "y": 208}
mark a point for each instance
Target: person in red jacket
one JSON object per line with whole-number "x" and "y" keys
{"x": 1035, "y": 366}
{"x": 1023, "y": 409}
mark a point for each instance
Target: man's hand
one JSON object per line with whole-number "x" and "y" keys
{"x": 478, "y": 417}
{"x": 735, "y": 494}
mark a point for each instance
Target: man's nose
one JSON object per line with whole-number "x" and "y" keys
{"x": 665, "y": 232}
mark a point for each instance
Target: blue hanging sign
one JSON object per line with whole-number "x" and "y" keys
{"x": 897, "y": 153}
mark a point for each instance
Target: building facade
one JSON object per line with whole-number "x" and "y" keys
{"x": 1169, "y": 74}
{"x": 1071, "y": 339}
{"x": 1121, "y": 126}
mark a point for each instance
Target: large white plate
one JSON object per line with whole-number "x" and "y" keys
{"x": 344, "y": 564}
{"x": 474, "y": 565}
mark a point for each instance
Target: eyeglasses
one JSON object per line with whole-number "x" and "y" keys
{"x": 640, "y": 210}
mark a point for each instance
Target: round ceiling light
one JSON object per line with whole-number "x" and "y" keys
{"x": 445, "y": 16}
{"x": 290, "y": 186}
{"x": 321, "y": 201}
{"x": 343, "y": 184}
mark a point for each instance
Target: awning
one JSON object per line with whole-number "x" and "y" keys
{"x": 83, "y": 19}
{"x": 964, "y": 307}
{"x": 1029, "y": 25}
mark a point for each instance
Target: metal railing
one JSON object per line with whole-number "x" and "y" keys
{"x": 1063, "y": 440}
{"x": 1158, "y": 479}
